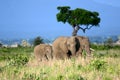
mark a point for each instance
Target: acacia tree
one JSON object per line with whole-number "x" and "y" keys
{"x": 77, "y": 18}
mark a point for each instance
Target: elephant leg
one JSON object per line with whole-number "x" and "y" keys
{"x": 49, "y": 56}
{"x": 79, "y": 52}
{"x": 45, "y": 58}
{"x": 39, "y": 58}
{"x": 69, "y": 54}
{"x": 59, "y": 55}
{"x": 56, "y": 54}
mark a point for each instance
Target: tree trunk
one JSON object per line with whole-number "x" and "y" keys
{"x": 75, "y": 30}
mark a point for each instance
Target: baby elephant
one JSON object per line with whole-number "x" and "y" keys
{"x": 43, "y": 52}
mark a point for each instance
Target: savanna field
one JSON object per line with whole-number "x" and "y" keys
{"x": 20, "y": 64}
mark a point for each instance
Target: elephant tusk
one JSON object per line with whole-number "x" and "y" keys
{"x": 92, "y": 49}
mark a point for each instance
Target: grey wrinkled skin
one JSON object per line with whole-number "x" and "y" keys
{"x": 84, "y": 45}
{"x": 43, "y": 52}
{"x": 64, "y": 47}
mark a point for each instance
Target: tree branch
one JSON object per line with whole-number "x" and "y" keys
{"x": 84, "y": 29}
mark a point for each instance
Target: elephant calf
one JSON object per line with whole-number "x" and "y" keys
{"x": 43, "y": 51}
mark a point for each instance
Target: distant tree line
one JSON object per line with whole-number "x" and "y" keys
{"x": 108, "y": 44}
{"x": 38, "y": 40}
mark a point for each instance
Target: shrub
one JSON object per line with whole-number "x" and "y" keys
{"x": 30, "y": 77}
{"x": 60, "y": 77}
{"x": 18, "y": 60}
{"x": 76, "y": 77}
{"x": 98, "y": 65}
{"x": 34, "y": 76}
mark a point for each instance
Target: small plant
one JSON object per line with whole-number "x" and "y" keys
{"x": 18, "y": 60}
{"x": 100, "y": 54}
{"x": 76, "y": 77}
{"x": 1, "y": 69}
{"x": 34, "y": 76}
{"x": 107, "y": 78}
{"x": 60, "y": 77}
{"x": 84, "y": 54}
{"x": 79, "y": 67}
{"x": 30, "y": 77}
{"x": 98, "y": 65}
{"x": 73, "y": 62}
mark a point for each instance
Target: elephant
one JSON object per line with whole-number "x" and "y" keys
{"x": 84, "y": 45}
{"x": 43, "y": 52}
{"x": 64, "y": 47}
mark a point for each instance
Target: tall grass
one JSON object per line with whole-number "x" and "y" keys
{"x": 103, "y": 65}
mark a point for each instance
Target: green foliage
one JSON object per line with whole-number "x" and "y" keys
{"x": 0, "y": 44}
{"x": 84, "y": 53}
{"x": 14, "y": 67}
{"x": 104, "y": 47}
{"x": 99, "y": 65}
{"x": 7, "y": 53}
{"x": 60, "y": 77}
{"x": 79, "y": 67}
{"x": 37, "y": 41}
{"x": 64, "y": 14}
{"x": 18, "y": 60}
{"x": 109, "y": 43}
{"x": 1, "y": 69}
{"x": 76, "y": 77}
{"x": 106, "y": 78}
{"x": 32, "y": 76}
{"x": 100, "y": 54}
{"x": 78, "y": 17}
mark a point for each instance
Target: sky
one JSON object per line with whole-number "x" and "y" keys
{"x": 32, "y": 18}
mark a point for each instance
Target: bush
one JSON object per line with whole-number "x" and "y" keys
{"x": 30, "y": 77}
{"x": 104, "y": 47}
{"x": 60, "y": 77}
{"x": 8, "y": 53}
{"x": 34, "y": 76}
{"x": 98, "y": 65}
{"x": 76, "y": 77}
{"x": 18, "y": 60}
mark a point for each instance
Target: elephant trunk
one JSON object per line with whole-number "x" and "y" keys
{"x": 87, "y": 49}
{"x": 73, "y": 50}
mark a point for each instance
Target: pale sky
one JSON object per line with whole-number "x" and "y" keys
{"x": 31, "y": 18}
{"x": 115, "y": 3}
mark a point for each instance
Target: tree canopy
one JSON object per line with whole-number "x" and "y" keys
{"x": 78, "y": 17}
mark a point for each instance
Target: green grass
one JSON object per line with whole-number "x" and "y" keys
{"x": 19, "y": 64}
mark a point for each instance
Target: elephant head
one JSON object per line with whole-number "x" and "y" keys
{"x": 72, "y": 45}
{"x": 64, "y": 47}
{"x": 48, "y": 52}
{"x": 84, "y": 45}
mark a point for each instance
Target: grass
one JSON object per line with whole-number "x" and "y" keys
{"x": 21, "y": 65}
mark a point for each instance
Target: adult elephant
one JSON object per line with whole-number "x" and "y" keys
{"x": 84, "y": 45}
{"x": 43, "y": 52}
{"x": 64, "y": 47}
